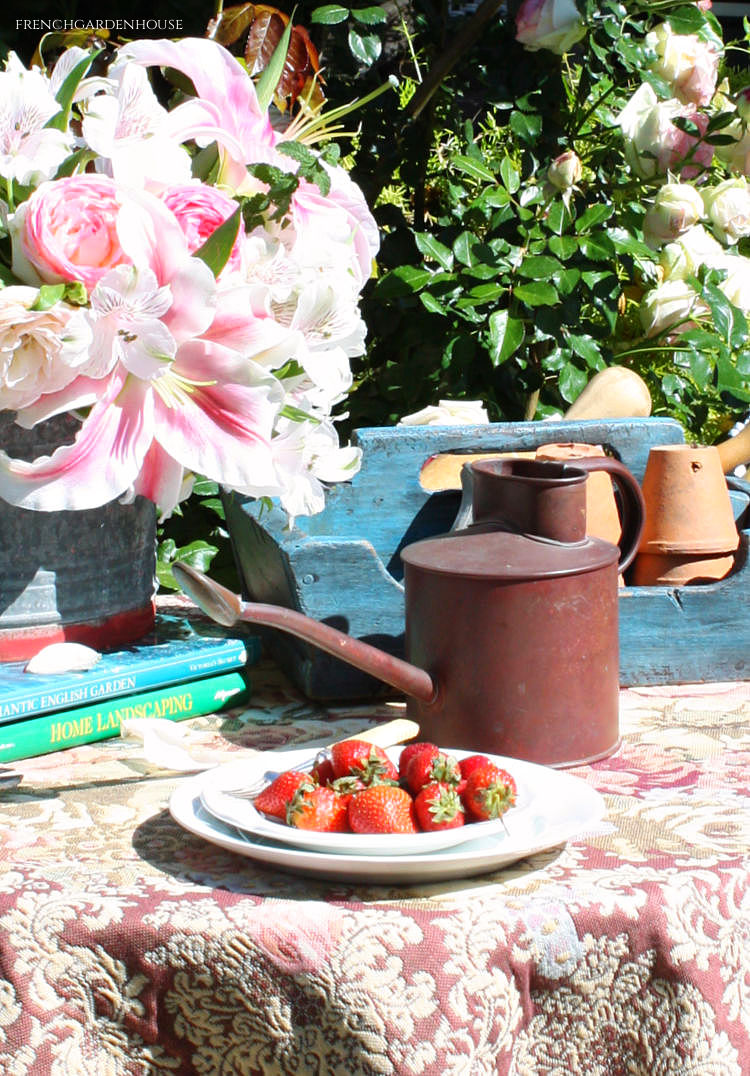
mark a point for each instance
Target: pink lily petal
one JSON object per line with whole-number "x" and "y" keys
{"x": 82, "y": 392}
{"x": 151, "y": 236}
{"x": 221, "y": 429}
{"x": 160, "y": 479}
{"x": 219, "y": 79}
{"x": 98, "y": 466}
{"x": 252, "y": 332}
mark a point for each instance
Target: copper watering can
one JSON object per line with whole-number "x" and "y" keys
{"x": 511, "y": 623}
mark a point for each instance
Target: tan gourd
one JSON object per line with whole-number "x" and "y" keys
{"x": 615, "y": 392}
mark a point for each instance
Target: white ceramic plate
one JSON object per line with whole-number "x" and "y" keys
{"x": 559, "y": 808}
{"x": 241, "y": 814}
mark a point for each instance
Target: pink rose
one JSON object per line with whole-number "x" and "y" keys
{"x": 200, "y": 210}
{"x": 689, "y": 65}
{"x": 549, "y": 24}
{"x": 67, "y": 231}
{"x": 654, "y": 145}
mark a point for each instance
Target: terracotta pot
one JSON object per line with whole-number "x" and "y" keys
{"x": 688, "y": 507}
{"x": 602, "y": 515}
{"x": 679, "y": 569}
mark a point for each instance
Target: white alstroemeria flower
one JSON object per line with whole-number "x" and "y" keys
{"x": 132, "y": 133}
{"x": 326, "y": 315}
{"x": 267, "y": 263}
{"x": 30, "y": 152}
{"x": 127, "y": 306}
{"x": 307, "y": 454}
{"x": 326, "y": 381}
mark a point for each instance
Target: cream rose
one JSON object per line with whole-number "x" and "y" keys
{"x": 671, "y": 306}
{"x": 685, "y": 256}
{"x": 448, "y": 413}
{"x": 677, "y": 207}
{"x": 728, "y": 209}
{"x": 41, "y": 351}
{"x": 549, "y": 24}
{"x": 653, "y": 144}
{"x": 689, "y": 65}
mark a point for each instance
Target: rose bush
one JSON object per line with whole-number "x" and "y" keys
{"x": 591, "y": 211}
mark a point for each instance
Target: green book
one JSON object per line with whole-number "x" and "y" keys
{"x": 85, "y": 724}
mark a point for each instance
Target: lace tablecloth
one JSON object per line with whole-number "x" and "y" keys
{"x": 130, "y": 946}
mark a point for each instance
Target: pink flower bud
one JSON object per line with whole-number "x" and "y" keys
{"x": 565, "y": 171}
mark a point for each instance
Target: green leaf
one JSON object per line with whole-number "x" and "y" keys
{"x": 527, "y": 125}
{"x": 474, "y": 168}
{"x": 558, "y": 217}
{"x": 266, "y": 85}
{"x": 509, "y": 175}
{"x": 432, "y": 249}
{"x": 76, "y": 162}
{"x": 485, "y": 293}
{"x": 506, "y": 336}
{"x": 430, "y": 303}
{"x": 49, "y": 295}
{"x": 701, "y": 369}
{"x": 365, "y": 47}
{"x": 564, "y": 246}
{"x": 310, "y": 167}
{"x": 217, "y": 248}
{"x": 598, "y": 248}
{"x": 464, "y": 248}
{"x": 66, "y": 93}
{"x": 401, "y": 281}
{"x": 536, "y": 294}
{"x": 686, "y": 20}
{"x": 539, "y": 267}
{"x": 329, "y": 14}
{"x": 594, "y": 216}
{"x": 587, "y": 348}
{"x": 566, "y": 281}
{"x": 370, "y": 16}
{"x": 572, "y": 382}
{"x": 206, "y": 164}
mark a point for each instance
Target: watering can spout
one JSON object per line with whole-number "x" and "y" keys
{"x": 226, "y": 607}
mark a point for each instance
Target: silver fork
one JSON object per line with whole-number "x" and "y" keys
{"x": 386, "y": 735}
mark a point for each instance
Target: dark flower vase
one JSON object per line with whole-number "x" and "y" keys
{"x": 78, "y": 576}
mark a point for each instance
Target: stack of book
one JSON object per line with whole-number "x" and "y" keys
{"x": 182, "y": 669}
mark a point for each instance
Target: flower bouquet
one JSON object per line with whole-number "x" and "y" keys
{"x": 183, "y": 280}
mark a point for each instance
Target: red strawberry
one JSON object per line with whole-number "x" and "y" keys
{"x": 382, "y": 809}
{"x": 438, "y": 806}
{"x": 466, "y": 766}
{"x": 346, "y": 787}
{"x": 275, "y": 797}
{"x": 317, "y": 808}
{"x": 408, "y": 753}
{"x": 489, "y": 792}
{"x": 431, "y": 765}
{"x": 361, "y": 759}
{"x": 322, "y": 771}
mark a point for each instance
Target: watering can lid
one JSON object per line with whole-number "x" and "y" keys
{"x": 501, "y": 555}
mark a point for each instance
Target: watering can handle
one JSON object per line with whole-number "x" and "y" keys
{"x": 632, "y": 502}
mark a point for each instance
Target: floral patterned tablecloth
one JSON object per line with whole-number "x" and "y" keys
{"x": 130, "y": 946}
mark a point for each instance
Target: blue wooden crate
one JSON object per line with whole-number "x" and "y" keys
{"x": 343, "y": 565}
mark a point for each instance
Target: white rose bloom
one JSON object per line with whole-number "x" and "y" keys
{"x": 736, "y": 287}
{"x": 677, "y": 207}
{"x": 670, "y": 306}
{"x": 685, "y": 256}
{"x": 30, "y": 152}
{"x": 449, "y": 413}
{"x": 689, "y": 65}
{"x": 728, "y": 209}
{"x": 41, "y": 351}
